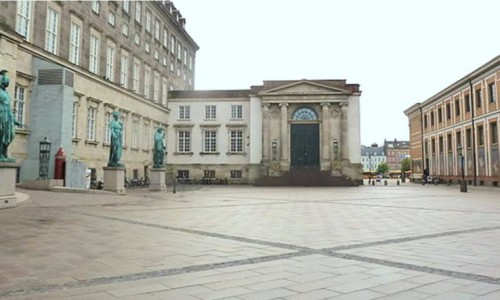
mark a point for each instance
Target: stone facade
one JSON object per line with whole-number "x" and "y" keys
{"x": 461, "y": 120}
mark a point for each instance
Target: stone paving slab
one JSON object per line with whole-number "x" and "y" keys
{"x": 370, "y": 242}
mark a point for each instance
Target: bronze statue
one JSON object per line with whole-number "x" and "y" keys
{"x": 115, "y": 152}
{"x": 7, "y": 120}
{"x": 159, "y": 149}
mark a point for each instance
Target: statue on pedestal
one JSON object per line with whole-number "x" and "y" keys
{"x": 159, "y": 149}
{"x": 115, "y": 152}
{"x": 7, "y": 120}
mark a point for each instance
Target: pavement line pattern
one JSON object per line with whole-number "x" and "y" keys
{"x": 298, "y": 251}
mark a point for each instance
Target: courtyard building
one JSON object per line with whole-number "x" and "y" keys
{"x": 73, "y": 63}
{"x": 372, "y": 157}
{"x": 457, "y": 129}
{"x": 395, "y": 152}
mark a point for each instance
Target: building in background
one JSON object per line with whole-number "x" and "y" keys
{"x": 395, "y": 152}
{"x": 462, "y": 119}
{"x": 372, "y": 157}
{"x": 72, "y": 63}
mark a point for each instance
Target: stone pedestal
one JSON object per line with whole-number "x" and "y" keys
{"x": 114, "y": 180}
{"x": 157, "y": 180}
{"x": 8, "y": 184}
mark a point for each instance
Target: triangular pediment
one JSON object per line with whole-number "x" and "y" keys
{"x": 304, "y": 87}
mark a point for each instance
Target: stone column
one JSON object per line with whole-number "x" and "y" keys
{"x": 157, "y": 181}
{"x": 326, "y": 142}
{"x": 114, "y": 180}
{"x": 8, "y": 184}
{"x": 265, "y": 132}
{"x": 344, "y": 130}
{"x": 284, "y": 131}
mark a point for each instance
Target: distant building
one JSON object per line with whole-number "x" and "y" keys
{"x": 461, "y": 120}
{"x": 372, "y": 157}
{"x": 396, "y": 151}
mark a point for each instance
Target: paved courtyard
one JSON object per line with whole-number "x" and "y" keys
{"x": 238, "y": 242}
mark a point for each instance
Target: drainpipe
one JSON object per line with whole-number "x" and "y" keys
{"x": 474, "y": 164}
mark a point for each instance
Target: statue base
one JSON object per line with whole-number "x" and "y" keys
{"x": 114, "y": 180}
{"x": 8, "y": 184}
{"x": 157, "y": 180}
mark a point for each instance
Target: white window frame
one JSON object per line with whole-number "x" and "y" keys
{"x": 52, "y": 30}
{"x": 145, "y": 136}
{"x": 157, "y": 29}
{"x": 20, "y": 104}
{"x": 164, "y": 91}
{"x": 23, "y": 18}
{"x": 124, "y": 69}
{"x": 236, "y": 144}
{"x": 91, "y": 123}
{"x": 74, "y": 118}
{"x": 96, "y": 6}
{"x": 236, "y": 112}
{"x": 184, "y": 141}
{"x": 108, "y": 117}
{"x": 94, "y": 51}
{"x": 148, "y": 21}
{"x": 125, "y": 29}
{"x": 112, "y": 18}
{"x": 147, "y": 82}
{"x": 210, "y": 112}
{"x": 165, "y": 37}
{"x": 135, "y": 133}
{"x": 75, "y": 40}
{"x": 110, "y": 61}
{"x": 123, "y": 119}
{"x": 138, "y": 11}
{"x": 136, "y": 70}
{"x": 184, "y": 112}
{"x": 126, "y": 6}
{"x": 209, "y": 141}
{"x": 156, "y": 87}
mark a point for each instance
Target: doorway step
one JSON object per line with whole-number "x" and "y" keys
{"x": 306, "y": 177}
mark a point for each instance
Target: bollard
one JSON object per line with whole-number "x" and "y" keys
{"x": 397, "y": 182}
{"x": 373, "y": 182}
{"x": 385, "y": 182}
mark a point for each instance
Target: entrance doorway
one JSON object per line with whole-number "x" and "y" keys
{"x": 304, "y": 145}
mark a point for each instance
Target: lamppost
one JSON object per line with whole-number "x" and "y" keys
{"x": 463, "y": 183}
{"x": 43, "y": 172}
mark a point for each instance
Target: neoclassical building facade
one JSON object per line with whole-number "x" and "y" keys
{"x": 266, "y": 132}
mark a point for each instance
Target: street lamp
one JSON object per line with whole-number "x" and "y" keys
{"x": 463, "y": 183}
{"x": 43, "y": 172}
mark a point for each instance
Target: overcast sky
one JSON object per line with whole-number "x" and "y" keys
{"x": 400, "y": 51}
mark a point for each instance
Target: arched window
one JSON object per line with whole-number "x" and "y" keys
{"x": 304, "y": 114}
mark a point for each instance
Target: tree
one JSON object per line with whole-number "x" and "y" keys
{"x": 383, "y": 168}
{"x": 405, "y": 164}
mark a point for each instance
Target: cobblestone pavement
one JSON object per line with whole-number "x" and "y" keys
{"x": 240, "y": 242}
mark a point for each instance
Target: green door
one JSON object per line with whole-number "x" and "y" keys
{"x": 305, "y": 145}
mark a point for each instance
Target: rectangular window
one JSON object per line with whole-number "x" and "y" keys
{"x": 148, "y": 21}
{"x": 147, "y": 47}
{"x": 110, "y": 62}
{"x": 480, "y": 135}
{"x": 236, "y": 144}
{"x": 74, "y": 120}
{"x": 145, "y": 136}
{"x": 138, "y": 11}
{"x": 156, "y": 87}
{"x": 210, "y": 112}
{"x": 147, "y": 82}
{"x": 236, "y": 112}
{"x": 94, "y": 53}
{"x": 236, "y": 174}
{"x": 96, "y": 6}
{"x": 172, "y": 44}
{"x": 164, "y": 92}
{"x": 165, "y": 38}
{"x": 209, "y": 141}
{"x": 126, "y": 5}
{"x": 448, "y": 142}
{"x": 124, "y": 69}
{"x": 492, "y": 92}
{"x": 125, "y": 29}
{"x": 493, "y": 133}
{"x": 425, "y": 121}
{"x": 74, "y": 42}
{"x": 209, "y": 174}
{"x": 183, "y": 174}
{"x": 91, "y": 119}
{"x": 124, "y": 129}
{"x": 467, "y": 103}
{"x": 157, "y": 29}
{"x": 51, "y": 31}
{"x": 459, "y": 139}
{"x": 111, "y": 18}
{"x": 468, "y": 138}
{"x": 184, "y": 112}
{"x": 440, "y": 115}
{"x": 135, "y": 134}
{"x": 478, "y": 98}
{"x": 107, "y": 132}
{"x": 441, "y": 144}
{"x": 19, "y": 104}
{"x": 23, "y": 18}
{"x": 135, "y": 76}
{"x": 432, "y": 118}
{"x": 448, "y": 111}
{"x": 184, "y": 141}
{"x": 433, "y": 146}
{"x": 137, "y": 39}
{"x": 457, "y": 107}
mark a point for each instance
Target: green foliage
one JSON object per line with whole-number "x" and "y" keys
{"x": 383, "y": 168}
{"x": 405, "y": 164}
